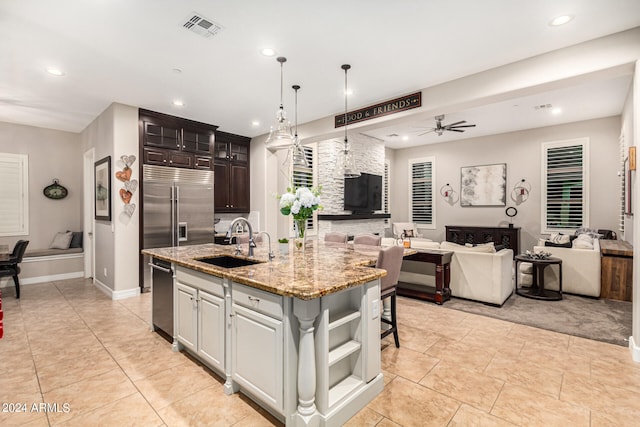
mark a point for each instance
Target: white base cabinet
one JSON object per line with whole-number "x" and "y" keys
{"x": 200, "y": 316}
{"x": 308, "y": 362}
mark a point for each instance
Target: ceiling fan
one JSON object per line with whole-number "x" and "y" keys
{"x": 440, "y": 128}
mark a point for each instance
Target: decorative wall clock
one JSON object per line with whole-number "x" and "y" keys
{"x": 55, "y": 191}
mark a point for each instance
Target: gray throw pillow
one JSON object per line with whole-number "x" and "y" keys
{"x": 61, "y": 240}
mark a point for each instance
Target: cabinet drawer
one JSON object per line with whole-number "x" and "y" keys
{"x": 263, "y": 302}
{"x": 205, "y": 282}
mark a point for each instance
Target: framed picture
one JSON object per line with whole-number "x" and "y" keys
{"x": 628, "y": 190}
{"x": 483, "y": 185}
{"x": 102, "y": 178}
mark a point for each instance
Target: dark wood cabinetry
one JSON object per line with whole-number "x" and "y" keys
{"x": 231, "y": 173}
{"x": 176, "y": 142}
{"x": 509, "y": 237}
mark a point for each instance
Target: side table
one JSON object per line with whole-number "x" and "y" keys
{"x": 537, "y": 290}
{"x": 442, "y": 260}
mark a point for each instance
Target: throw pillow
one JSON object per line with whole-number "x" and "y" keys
{"x": 583, "y": 241}
{"x": 484, "y": 248}
{"x": 61, "y": 240}
{"x": 408, "y": 233}
{"x": 559, "y": 238}
{"x": 557, "y": 245}
{"x": 76, "y": 239}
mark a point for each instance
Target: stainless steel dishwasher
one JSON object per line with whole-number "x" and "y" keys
{"x": 162, "y": 296}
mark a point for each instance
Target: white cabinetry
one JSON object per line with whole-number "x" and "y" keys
{"x": 257, "y": 344}
{"x": 200, "y": 311}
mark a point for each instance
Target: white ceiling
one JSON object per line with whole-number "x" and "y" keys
{"x": 126, "y": 51}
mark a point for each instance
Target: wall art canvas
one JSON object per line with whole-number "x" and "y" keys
{"x": 102, "y": 177}
{"x": 483, "y": 185}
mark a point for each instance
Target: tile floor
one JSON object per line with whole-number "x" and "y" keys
{"x": 94, "y": 361}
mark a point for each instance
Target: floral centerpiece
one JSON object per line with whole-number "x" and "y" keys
{"x": 300, "y": 203}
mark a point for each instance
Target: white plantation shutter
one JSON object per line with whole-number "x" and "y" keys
{"x": 14, "y": 194}
{"x": 565, "y": 185}
{"x": 385, "y": 190}
{"x": 303, "y": 177}
{"x": 422, "y": 182}
{"x": 623, "y": 182}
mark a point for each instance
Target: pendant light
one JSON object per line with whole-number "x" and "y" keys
{"x": 347, "y": 165}
{"x": 280, "y": 136}
{"x": 296, "y": 152}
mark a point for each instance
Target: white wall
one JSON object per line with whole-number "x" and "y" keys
{"x": 52, "y": 154}
{"x": 626, "y": 134}
{"x": 521, "y": 151}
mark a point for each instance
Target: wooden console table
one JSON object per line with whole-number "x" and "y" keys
{"x": 616, "y": 277}
{"x": 442, "y": 260}
{"x": 509, "y": 237}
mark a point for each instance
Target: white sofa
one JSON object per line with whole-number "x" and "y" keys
{"x": 480, "y": 276}
{"x": 475, "y": 275}
{"x": 580, "y": 269}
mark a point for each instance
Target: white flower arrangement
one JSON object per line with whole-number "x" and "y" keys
{"x": 300, "y": 203}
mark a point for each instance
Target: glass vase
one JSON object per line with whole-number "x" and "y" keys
{"x": 300, "y": 226}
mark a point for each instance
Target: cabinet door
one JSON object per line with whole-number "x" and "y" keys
{"x": 161, "y": 135}
{"x": 196, "y": 140}
{"x": 187, "y": 316}
{"x": 239, "y": 188}
{"x": 203, "y": 162}
{"x": 221, "y": 186}
{"x": 211, "y": 328}
{"x": 238, "y": 152}
{"x": 221, "y": 150}
{"x": 154, "y": 156}
{"x": 181, "y": 160}
{"x": 256, "y": 348}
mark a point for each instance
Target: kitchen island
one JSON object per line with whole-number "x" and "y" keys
{"x": 299, "y": 334}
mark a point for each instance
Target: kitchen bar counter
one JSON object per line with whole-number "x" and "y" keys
{"x": 319, "y": 270}
{"x": 299, "y": 334}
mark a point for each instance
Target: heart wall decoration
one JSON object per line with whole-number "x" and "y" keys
{"x": 130, "y": 185}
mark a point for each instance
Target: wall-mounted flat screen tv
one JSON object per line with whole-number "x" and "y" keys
{"x": 363, "y": 194}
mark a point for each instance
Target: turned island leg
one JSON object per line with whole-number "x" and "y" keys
{"x": 306, "y": 313}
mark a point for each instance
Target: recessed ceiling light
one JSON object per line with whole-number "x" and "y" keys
{"x": 178, "y": 103}
{"x": 255, "y": 123}
{"x": 405, "y": 138}
{"x": 177, "y": 70}
{"x": 348, "y": 92}
{"x": 267, "y": 51}
{"x": 556, "y": 111}
{"x": 55, "y": 71}
{"x": 560, "y": 20}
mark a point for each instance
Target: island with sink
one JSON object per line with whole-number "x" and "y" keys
{"x": 299, "y": 334}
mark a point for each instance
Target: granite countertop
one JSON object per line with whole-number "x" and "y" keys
{"x": 322, "y": 269}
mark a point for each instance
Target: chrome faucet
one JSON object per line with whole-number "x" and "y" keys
{"x": 235, "y": 222}
{"x": 271, "y": 255}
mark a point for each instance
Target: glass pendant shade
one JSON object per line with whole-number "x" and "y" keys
{"x": 347, "y": 164}
{"x": 296, "y": 155}
{"x": 280, "y": 136}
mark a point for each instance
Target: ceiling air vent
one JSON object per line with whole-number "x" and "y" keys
{"x": 201, "y": 26}
{"x": 542, "y": 107}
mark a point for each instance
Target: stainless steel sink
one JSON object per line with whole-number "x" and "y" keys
{"x": 226, "y": 261}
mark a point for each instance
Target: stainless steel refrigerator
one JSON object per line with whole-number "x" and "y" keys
{"x": 177, "y": 210}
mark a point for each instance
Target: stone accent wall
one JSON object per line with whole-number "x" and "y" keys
{"x": 369, "y": 156}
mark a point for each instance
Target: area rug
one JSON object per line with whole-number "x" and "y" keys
{"x": 596, "y": 319}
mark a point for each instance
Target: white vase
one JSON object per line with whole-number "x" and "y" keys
{"x": 284, "y": 248}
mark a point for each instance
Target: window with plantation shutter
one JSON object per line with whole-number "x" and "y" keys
{"x": 385, "y": 190}
{"x": 303, "y": 177}
{"x": 565, "y": 185}
{"x": 421, "y": 184}
{"x": 14, "y": 194}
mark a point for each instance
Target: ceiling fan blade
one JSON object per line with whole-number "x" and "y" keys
{"x": 462, "y": 126}
{"x": 456, "y": 130}
{"x": 424, "y": 133}
{"x": 455, "y": 124}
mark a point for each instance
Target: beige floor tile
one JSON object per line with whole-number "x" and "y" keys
{"x": 482, "y": 339}
{"x": 410, "y": 404}
{"x": 468, "y": 416}
{"x": 464, "y": 385}
{"x": 89, "y": 394}
{"x": 517, "y": 371}
{"x": 365, "y": 418}
{"x": 132, "y": 410}
{"x": 461, "y": 353}
{"x": 524, "y": 406}
{"x": 206, "y": 407}
{"x": 20, "y": 380}
{"x": 559, "y": 358}
{"x": 406, "y": 363}
{"x": 174, "y": 384}
{"x": 543, "y": 339}
{"x": 616, "y": 373}
{"x": 65, "y": 372}
{"x": 18, "y": 410}
{"x": 414, "y": 338}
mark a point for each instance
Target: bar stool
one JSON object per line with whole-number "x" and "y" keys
{"x": 390, "y": 259}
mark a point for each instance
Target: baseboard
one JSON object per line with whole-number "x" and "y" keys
{"x": 635, "y": 350}
{"x": 41, "y": 279}
{"x": 117, "y": 295}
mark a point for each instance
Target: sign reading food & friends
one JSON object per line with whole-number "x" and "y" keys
{"x": 393, "y": 106}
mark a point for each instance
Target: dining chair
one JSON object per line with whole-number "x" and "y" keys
{"x": 390, "y": 259}
{"x": 335, "y": 237}
{"x": 11, "y": 266}
{"x": 367, "y": 239}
